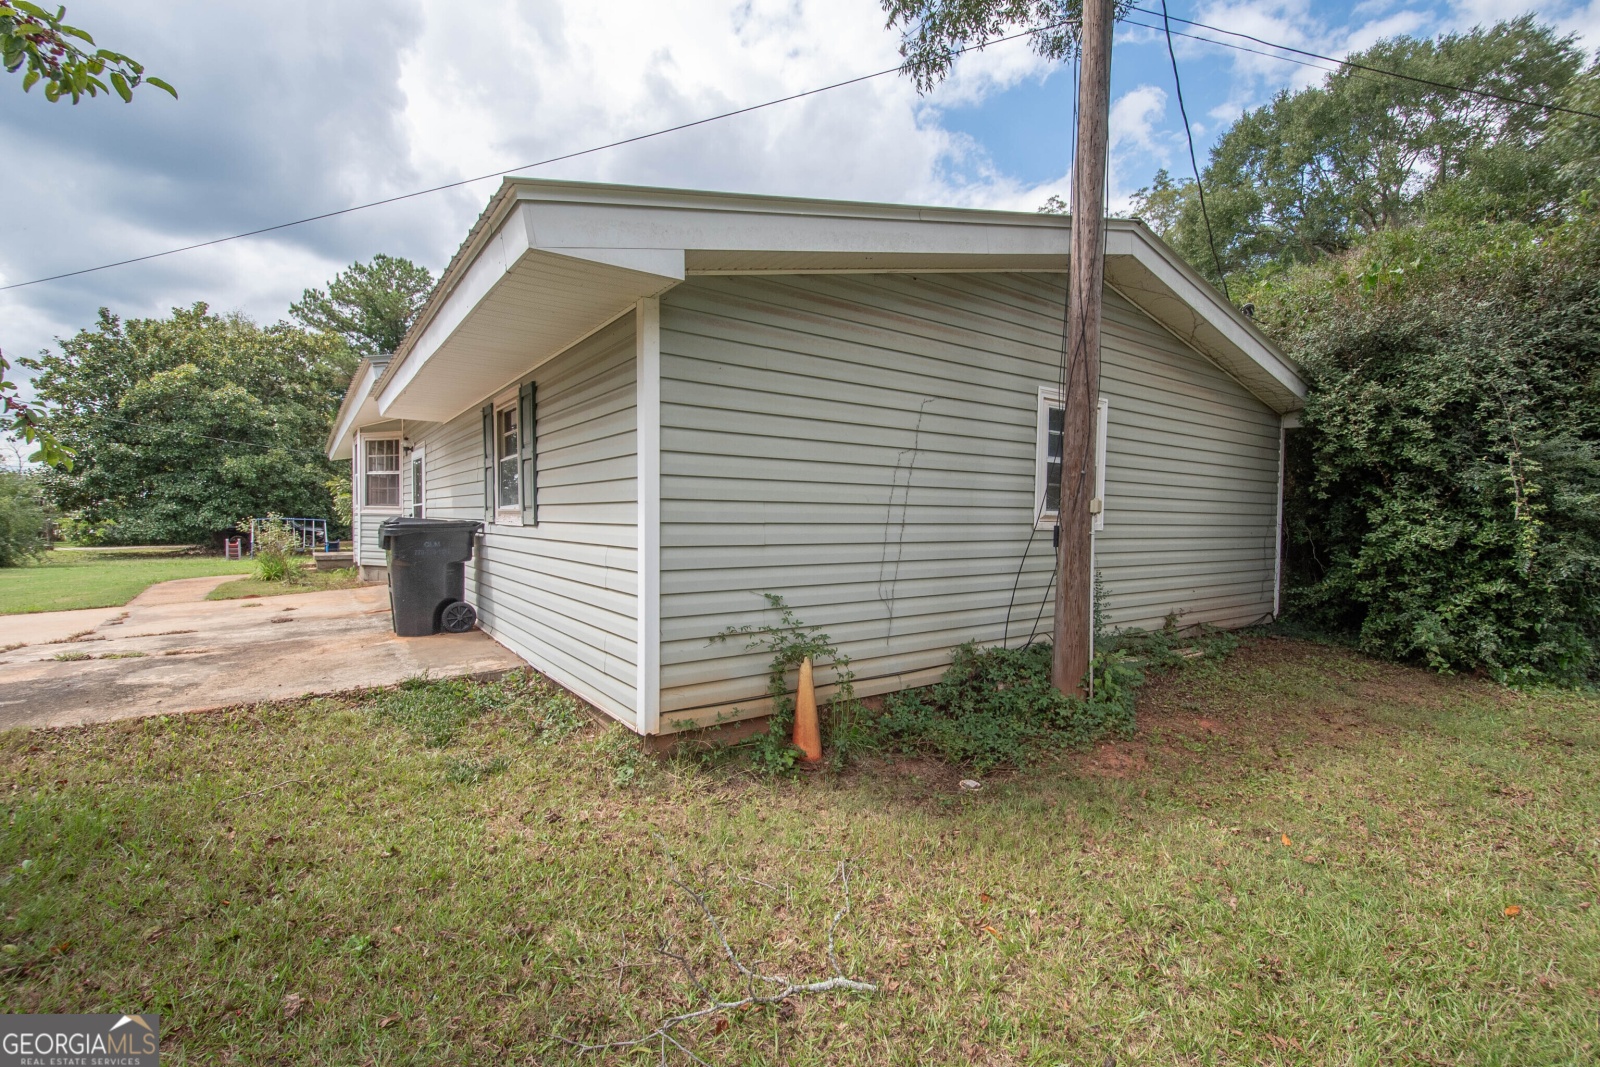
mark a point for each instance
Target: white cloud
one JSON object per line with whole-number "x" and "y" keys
{"x": 1134, "y": 115}
{"x": 300, "y": 107}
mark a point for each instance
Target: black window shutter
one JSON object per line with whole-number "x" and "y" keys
{"x": 488, "y": 463}
{"x": 528, "y": 436}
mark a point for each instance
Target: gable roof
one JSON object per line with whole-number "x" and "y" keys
{"x": 548, "y": 262}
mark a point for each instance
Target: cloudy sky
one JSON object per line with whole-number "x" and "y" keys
{"x": 296, "y": 107}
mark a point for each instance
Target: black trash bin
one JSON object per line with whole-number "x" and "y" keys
{"x": 426, "y": 574}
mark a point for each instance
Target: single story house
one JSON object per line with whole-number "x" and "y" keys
{"x": 663, "y": 404}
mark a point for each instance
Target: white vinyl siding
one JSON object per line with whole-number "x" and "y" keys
{"x": 371, "y": 553}
{"x": 866, "y": 446}
{"x": 560, "y": 594}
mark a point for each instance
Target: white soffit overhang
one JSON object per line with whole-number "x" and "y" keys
{"x": 550, "y": 262}
{"x": 360, "y": 408}
{"x": 1167, "y": 289}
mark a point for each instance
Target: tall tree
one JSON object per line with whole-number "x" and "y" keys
{"x": 185, "y": 425}
{"x": 371, "y": 305}
{"x": 1311, "y": 172}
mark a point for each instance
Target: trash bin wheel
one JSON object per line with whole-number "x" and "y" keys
{"x": 458, "y": 617}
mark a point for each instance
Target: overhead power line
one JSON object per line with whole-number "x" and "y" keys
{"x": 1188, "y": 134}
{"x": 1337, "y": 63}
{"x": 1486, "y": 94}
{"x": 520, "y": 167}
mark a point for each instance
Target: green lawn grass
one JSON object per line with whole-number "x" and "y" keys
{"x": 1304, "y": 857}
{"x": 307, "y": 580}
{"x": 66, "y": 579}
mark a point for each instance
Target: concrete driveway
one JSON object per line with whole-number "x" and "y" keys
{"x": 171, "y": 650}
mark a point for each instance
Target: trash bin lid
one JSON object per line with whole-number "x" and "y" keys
{"x": 407, "y": 526}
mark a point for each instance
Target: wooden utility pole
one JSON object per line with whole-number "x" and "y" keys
{"x": 1085, "y": 281}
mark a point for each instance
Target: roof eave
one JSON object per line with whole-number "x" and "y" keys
{"x": 358, "y": 398}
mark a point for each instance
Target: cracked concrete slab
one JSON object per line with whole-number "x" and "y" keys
{"x": 170, "y": 650}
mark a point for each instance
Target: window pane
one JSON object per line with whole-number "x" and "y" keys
{"x": 383, "y": 490}
{"x": 1052, "y": 460}
{"x": 508, "y": 433}
{"x": 416, "y": 487}
{"x": 383, "y": 457}
{"x": 508, "y": 462}
{"x": 383, "y": 473}
{"x": 508, "y": 482}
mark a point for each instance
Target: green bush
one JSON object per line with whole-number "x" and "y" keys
{"x": 339, "y": 491}
{"x": 273, "y": 545}
{"x": 996, "y": 706}
{"x": 22, "y": 519}
{"x": 1444, "y": 494}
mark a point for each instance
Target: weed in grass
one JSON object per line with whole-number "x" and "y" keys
{"x": 431, "y": 711}
{"x": 473, "y": 771}
{"x": 996, "y": 706}
{"x": 71, "y": 657}
{"x": 124, "y": 655}
{"x": 435, "y": 711}
{"x": 558, "y": 717}
{"x": 624, "y": 756}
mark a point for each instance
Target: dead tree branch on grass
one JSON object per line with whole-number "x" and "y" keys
{"x": 779, "y": 987}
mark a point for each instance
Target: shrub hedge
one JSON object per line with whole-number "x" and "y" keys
{"x": 1444, "y": 493}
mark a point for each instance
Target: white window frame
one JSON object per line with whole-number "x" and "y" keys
{"x": 417, "y": 505}
{"x": 399, "y": 486}
{"x": 1050, "y": 397}
{"x": 508, "y": 514}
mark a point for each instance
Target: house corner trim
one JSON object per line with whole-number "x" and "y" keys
{"x": 647, "y": 349}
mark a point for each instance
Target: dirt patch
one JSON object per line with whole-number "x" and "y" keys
{"x": 1190, "y": 717}
{"x": 1115, "y": 759}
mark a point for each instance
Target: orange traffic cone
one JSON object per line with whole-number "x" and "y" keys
{"x": 807, "y": 733}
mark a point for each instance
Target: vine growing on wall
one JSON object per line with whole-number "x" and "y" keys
{"x": 788, "y": 643}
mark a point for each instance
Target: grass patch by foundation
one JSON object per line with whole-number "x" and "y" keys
{"x": 1300, "y": 857}
{"x": 305, "y": 579}
{"x": 67, "y": 579}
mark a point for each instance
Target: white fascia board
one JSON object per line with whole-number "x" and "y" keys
{"x": 355, "y": 410}
{"x": 578, "y": 229}
{"x": 486, "y": 270}
{"x": 1167, "y": 276}
{"x": 650, "y": 233}
{"x": 653, "y": 269}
